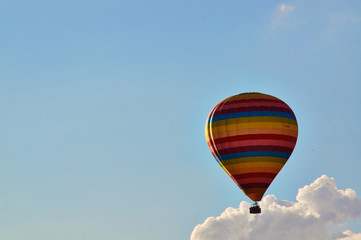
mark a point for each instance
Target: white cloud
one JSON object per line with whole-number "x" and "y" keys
{"x": 283, "y": 8}
{"x": 348, "y": 235}
{"x": 282, "y": 16}
{"x": 320, "y": 209}
{"x": 328, "y": 17}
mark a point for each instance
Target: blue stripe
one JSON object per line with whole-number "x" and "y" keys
{"x": 253, "y": 114}
{"x": 254, "y": 154}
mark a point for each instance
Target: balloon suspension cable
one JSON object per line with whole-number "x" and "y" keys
{"x": 255, "y": 209}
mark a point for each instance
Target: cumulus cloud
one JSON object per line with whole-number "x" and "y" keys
{"x": 351, "y": 236}
{"x": 319, "y": 211}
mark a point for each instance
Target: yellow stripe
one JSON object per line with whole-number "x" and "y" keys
{"x": 252, "y": 167}
{"x": 238, "y": 126}
{"x": 253, "y": 120}
{"x": 206, "y": 130}
{"x": 254, "y": 160}
{"x": 207, "y": 137}
{"x": 225, "y": 169}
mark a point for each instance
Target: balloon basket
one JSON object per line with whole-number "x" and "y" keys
{"x": 254, "y": 209}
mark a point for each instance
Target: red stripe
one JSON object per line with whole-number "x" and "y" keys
{"x": 254, "y": 185}
{"x": 241, "y": 181}
{"x": 254, "y": 137}
{"x": 251, "y": 108}
{"x": 230, "y": 105}
{"x": 256, "y": 174}
{"x": 254, "y": 148}
{"x": 257, "y": 142}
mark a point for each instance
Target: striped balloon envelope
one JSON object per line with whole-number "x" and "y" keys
{"x": 252, "y": 135}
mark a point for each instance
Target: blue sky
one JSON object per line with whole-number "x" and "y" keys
{"x": 104, "y": 104}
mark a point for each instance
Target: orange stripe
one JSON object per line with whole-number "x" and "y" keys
{"x": 250, "y": 125}
{"x": 251, "y": 96}
{"x": 235, "y": 132}
{"x": 274, "y": 170}
{"x": 255, "y": 194}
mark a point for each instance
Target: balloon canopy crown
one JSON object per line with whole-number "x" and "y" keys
{"x": 254, "y": 209}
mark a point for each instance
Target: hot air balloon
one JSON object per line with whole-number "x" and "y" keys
{"x": 252, "y": 135}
